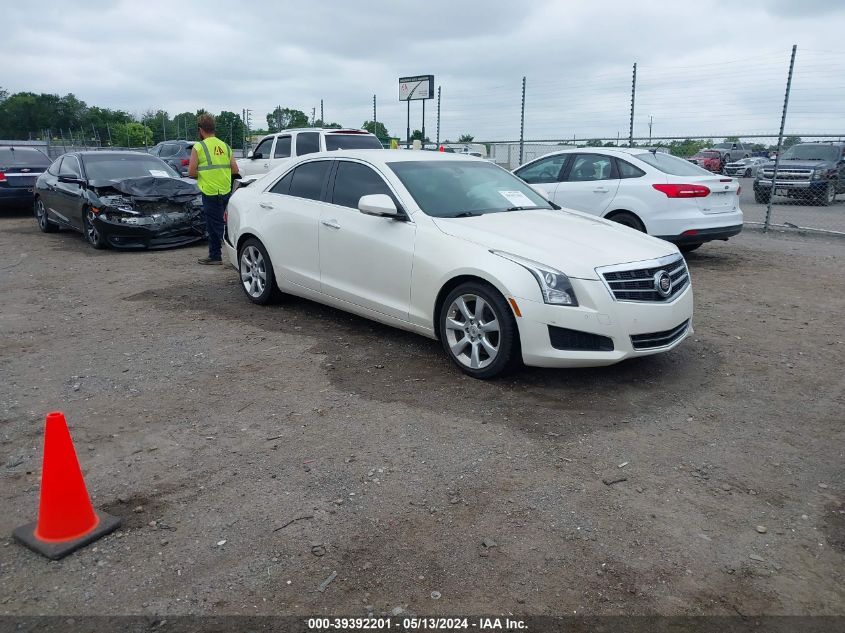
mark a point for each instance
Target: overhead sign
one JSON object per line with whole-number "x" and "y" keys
{"x": 416, "y": 88}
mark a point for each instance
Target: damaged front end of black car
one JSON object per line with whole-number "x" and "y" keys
{"x": 146, "y": 212}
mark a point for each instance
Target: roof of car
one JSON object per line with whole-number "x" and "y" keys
{"x": 85, "y": 153}
{"x": 392, "y": 155}
{"x": 345, "y": 130}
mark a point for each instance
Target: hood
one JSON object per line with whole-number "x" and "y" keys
{"x": 149, "y": 188}
{"x": 800, "y": 164}
{"x": 574, "y": 243}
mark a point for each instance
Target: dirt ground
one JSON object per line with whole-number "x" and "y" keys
{"x": 253, "y": 451}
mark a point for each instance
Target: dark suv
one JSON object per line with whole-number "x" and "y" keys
{"x": 177, "y": 154}
{"x": 811, "y": 171}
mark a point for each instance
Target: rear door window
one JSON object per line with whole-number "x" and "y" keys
{"x": 589, "y": 167}
{"x": 308, "y": 179}
{"x": 282, "y": 147}
{"x": 307, "y": 143}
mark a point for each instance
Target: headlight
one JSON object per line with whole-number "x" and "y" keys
{"x": 817, "y": 172}
{"x": 555, "y": 286}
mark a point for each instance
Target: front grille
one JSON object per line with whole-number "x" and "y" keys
{"x": 573, "y": 340}
{"x": 637, "y": 284}
{"x": 788, "y": 174}
{"x": 659, "y": 339}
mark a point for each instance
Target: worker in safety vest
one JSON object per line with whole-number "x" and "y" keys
{"x": 213, "y": 165}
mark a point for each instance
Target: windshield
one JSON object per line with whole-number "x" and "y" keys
{"x": 456, "y": 188}
{"x": 119, "y": 167}
{"x": 672, "y": 165}
{"x": 812, "y": 152}
{"x": 23, "y": 157}
{"x": 351, "y": 141}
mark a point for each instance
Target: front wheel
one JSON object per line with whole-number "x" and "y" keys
{"x": 828, "y": 196}
{"x": 257, "y": 278}
{"x": 92, "y": 234}
{"x": 478, "y": 331}
{"x": 44, "y": 222}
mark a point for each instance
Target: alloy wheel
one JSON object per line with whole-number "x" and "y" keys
{"x": 41, "y": 214}
{"x": 472, "y": 331}
{"x": 253, "y": 271}
{"x": 91, "y": 231}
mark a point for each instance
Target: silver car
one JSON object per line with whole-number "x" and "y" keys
{"x": 745, "y": 167}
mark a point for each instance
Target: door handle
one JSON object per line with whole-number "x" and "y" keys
{"x": 266, "y": 205}
{"x": 601, "y": 190}
{"x": 332, "y": 224}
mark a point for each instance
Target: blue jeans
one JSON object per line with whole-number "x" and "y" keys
{"x": 213, "y": 207}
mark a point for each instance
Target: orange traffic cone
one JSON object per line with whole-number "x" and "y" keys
{"x": 66, "y": 519}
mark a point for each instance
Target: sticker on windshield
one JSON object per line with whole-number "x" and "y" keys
{"x": 159, "y": 173}
{"x": 517, "y": 198}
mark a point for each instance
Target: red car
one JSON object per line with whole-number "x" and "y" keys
{"x": 710, "y": 159}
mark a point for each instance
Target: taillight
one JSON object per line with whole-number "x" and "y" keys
{"x": 738, "y": 189}
{"x": 226, "y": 216}
{"x": 2, "y": 177}
{"x": 185, "y": 162}
{"x": 683, "y": 191}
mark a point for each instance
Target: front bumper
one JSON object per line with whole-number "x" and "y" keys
{"x": 806, "y": 187}
{"x": 601, "y": 315}
{"x": 153, "y": 236}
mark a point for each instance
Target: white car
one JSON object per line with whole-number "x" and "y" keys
{"x": 276, "y": 149}
{"x": 650, "y": 191}
{"x": 456, "y": 248}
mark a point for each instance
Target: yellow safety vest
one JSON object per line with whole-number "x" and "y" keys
{"x": 214, "y": 171}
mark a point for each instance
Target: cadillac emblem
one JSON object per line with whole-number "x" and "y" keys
{"x": 663, "y": 283}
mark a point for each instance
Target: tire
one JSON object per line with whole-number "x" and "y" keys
{"x": 828, "y": 197}
{"x": 688, "y": 248}
{"x": 44, "y": 222}
{"x": 628, "y": 219}
{"x": 747, "y": 173}
{"x": 474, "y": 321}
{"x": 258, "y": 280}
{"x": 761, "y": 198}
{"x": 92, "y": 235}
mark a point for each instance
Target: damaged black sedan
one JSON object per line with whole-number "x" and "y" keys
{"x": 119, "y": 200}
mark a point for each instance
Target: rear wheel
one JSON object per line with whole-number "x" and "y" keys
{"x": 478, "y": 331}
{"x": 44, "y": 222}
{"x": 257, "y": 277}
{"x": 92, "y": 234}
{"x": 688, "y": 248}
{"x": 628, "y": 219}
{"x": 747, "y": 173}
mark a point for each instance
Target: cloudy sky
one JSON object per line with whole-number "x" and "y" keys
{"x": 704, "y": 68}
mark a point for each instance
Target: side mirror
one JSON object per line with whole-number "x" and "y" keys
{"x": 71, "y": 180}
{"x": 378, "y": 204}
{"x": 251, "y": 154}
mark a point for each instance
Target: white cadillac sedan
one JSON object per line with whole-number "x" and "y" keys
{"x": 458, "y": 249}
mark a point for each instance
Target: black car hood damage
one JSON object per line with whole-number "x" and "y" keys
{"x": 150, "y": 188}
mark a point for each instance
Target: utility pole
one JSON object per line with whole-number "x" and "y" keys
{"x": 650, "y": 121}
{"x": 423, "y": 123}
{"x": 322, "y": 120}
{"x": 633, "y": 95}
{"x": 780, "y": 138}
{"x": 522, "y": 123}
{"x": 163, "y": 128}
{"x": 438, "y": 116}
{"x": 375, "y": 118}
{"x": 313, "y": 116}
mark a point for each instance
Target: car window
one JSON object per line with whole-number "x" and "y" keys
{"x": 544, "y": 170}
{"x": 263, "y": 149}
{"x": 155, "y": 151}
{"x": 70, "y": 167}
{"x": 307, "y": 143}
{"x": 23, "y": 157}
{"x": 672, "y": 165}
{"x": 282, "y": 147}
{"x": 351, "y": 141}
{"x": 107, "y": 166}
{"x": 169, "y": 149}
{"x": 283, "y": 186}
{"x": 627, "y": 170}
{"x": 54, "y": 167}
{"x": 308, "y": 179}
{"x": 587, "y": 167}
{"x": 354, "y": 180}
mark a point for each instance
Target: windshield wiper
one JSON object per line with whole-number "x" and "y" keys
{"x": 523, "y": 208}
{"x": 465, "y": 214}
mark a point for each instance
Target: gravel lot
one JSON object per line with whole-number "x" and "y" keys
{"x": 794, "y": 211}
{"x": 253, "y": 451}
